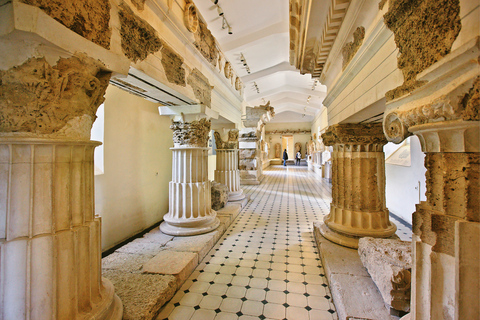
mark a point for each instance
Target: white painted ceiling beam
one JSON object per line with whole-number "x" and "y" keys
{"x": 251, "y": 38}
{"x": 281, "y": 67}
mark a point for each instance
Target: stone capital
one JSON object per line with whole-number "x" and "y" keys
{"x": 191, "y": 134}
{"x": 354, "y": 134}
{"x": 230, "y": 143}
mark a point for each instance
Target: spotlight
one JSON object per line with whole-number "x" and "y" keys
{"x": 215, "y": 1}
{"x": 220, "y": 11}
{"x": 230, "y": 30}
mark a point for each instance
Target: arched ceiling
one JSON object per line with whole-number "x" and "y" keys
{"x": 261, "y": 33}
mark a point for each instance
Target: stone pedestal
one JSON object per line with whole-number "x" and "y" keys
{"x": 227, "y": 173}
{"x": 358, "y": 185}
{"x": 50, "y": 244}
{"x": 190, "y": 210}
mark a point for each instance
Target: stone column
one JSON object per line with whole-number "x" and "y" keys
{"x": 358, "y": 184}
{"x": 190, "y": 210}
{"x": 446, "y": 227}
{"x": 50, "y": 245}
{"x": 227, "y": 172}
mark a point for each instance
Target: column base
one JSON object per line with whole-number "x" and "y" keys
{"x": 189, "y": 227}
{"x": 343, "y": 239}
{"x": 111, "y": 307}
{"x": 236, "y": 196}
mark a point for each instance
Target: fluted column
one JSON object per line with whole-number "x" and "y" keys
{"x": 50, "y": 244}
{"x": 190, "y": 210}
{"x": 358, "y": 206}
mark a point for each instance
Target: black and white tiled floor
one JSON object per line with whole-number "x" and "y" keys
{"x": 267, "y": 265}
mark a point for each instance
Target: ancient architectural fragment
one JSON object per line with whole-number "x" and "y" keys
{"x": 206, "y": 44}
{"x": 51, "y": 244}
{"x": 190, "y": 17}
{"x": 173, "y": 65}
{"x": 389, "y": 263}
{"x": 227, "y": 70}
{"x": 89, "y": 18}
{"x": 139, "y": 38}
{"x": 219, "y": 195}
{"x": 351, "y": 48}
{"x": 139, "y": 4}
{"x": 201, "y": 87}
{"x": 55, "y": 101}
{"x": 190, "y": 190}
{"x": 424, "y": 33}
{"x": 358, "y": 184}
{"x": 227, "y": 170}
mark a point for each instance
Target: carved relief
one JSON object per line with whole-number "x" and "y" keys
{"x": 349, "y": 50}
{"x": 205, "y": 43}
{"x": 277, "y": 150}
{"x": 238, "y": 84}
{"x": 139, "y": 39}
{"x": 193, "y": 134}
{"x": 288, "y": 131}
{"x": 88, "y": 18}
{"x": 36, "y": 98}
{"x": 424, "y": 33}
{"x": 228, "y": 70}
{"x": 231, "y": 143}
{"x": 452, "y": 106}
{"x": 190, "y": 17}
{"x": 139, "y": 4}
{"x": 173, "y": 65}
{"x": 201, "y": 87}
{"x": 352, "y": 133}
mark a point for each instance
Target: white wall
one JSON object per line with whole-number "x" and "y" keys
{"x": 132, "y": 194}
{"x": 401, "y": 183}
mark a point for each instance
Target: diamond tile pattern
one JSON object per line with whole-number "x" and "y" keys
{"x": 266, "y": 265}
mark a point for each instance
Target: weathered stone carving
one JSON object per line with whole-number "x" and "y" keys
{"x": 193, "y": 134}
{"x": 139, "y": 38}
{"x": 349, "y": 50}
{"x": 258, "y": 114}
{"x": 354, "y": 134}
{"x": 228, "y": 70}
{"x": 190, "y": 17}
{"x": 205, "y": 43}
{"x": 89, "y": 18}
{"x": 173, "y": 65}
{"x": 389, "y": 263}
{"x": 231, "y": 143}
{"x": 219, "y": 195}
{"x": 36, "y": 98}
{"x": 277, "y": 150}
{"x": 310, "y": 147}
{"x": 424, "y": 32}
{"x": 455, "y": 105}
{"x": 139, "y": 4}
{"x": 298, "y": 147}
{"x": 238, "y": 84}
{"x": 201, "y": 87}
{"x": 288, "y": 131}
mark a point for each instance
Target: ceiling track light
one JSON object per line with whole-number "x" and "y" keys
{"x": 225, "y": 24}
{"x": 244, "y": 62}
{"x": 255, "y": 86}
{"x": 220, "y": 11}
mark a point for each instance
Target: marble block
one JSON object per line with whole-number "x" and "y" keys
{"x": 389, "y": 263}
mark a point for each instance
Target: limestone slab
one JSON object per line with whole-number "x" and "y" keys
{"x": 157, "y": 236}
{"x": 176, "y": 263}
{"x": 200, "y": 244}
{"x": 126, "y": 262}
{"x": 142, "y": 294}
{"x": 141, "y": 246}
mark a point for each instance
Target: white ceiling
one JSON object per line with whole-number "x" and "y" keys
{"x": 261, "y": 33}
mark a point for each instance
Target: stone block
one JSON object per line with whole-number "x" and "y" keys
{"x": 157, "y": 237}
{"x": 126, "y": 262}
{"x": 247, "y": 153}
{"x": 175, "y": 263}
{"x": 141, "y": 246}
{"x": 219, "y": 195}
{"x": 142, "y": 295}
{"x": 199, "y": 244}
{"x": 389, "y": 263}
{"x": 247, "y": 164}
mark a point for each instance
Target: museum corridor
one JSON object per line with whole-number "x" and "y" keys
{"x": 267, "y": 265}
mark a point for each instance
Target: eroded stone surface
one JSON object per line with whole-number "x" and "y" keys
{"x": 205, "y": 43}
{"x": 176, "y": 263}
{"x": 142, "y": 295}
{"x": 354, "y": 134}
{"x": 140, "y": 245}
{"x": 60, "y": 100}
{"x": 193, "y": 133}
{"x": 219, "y": 195}
{"x": 231, "y": 143}
{"x": 158, "y": 237}
{"x": 88, "y": 18}
{"x": 247, "y": 153}
{"x": 349, "y": 50}
{"x": 201, "y": 87}
{"x": 139, "y": 38}
{"x": 424, "y": 33}
{"x": 199, "y": 244}
{"x": 126, "y": 262}
{"x": 139, "y": 4}
{"x": 389, "y": 263}
{"x": 173, "y": 65}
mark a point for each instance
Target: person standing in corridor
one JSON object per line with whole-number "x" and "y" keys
{"x": 285, "y": 158}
